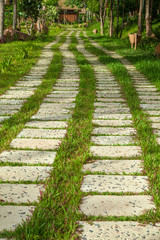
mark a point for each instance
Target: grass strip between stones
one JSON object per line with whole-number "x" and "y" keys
{"x": 147, "y": 140}
{"x": 57, "y": 213}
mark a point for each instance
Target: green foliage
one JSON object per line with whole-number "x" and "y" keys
{"x": 30, "y": 8}
{"x": 50, "y": 14}
{"x": 78, "y": 3}
{"x": 6, "y": 64}
{"x": 51, "y": 3}
{"x": 93, "y": 6}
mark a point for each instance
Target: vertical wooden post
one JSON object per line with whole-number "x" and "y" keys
{"x": 1, "y": 17}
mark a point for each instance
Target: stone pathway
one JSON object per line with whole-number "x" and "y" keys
{"x": 37, "y": 143}
{"x": 13, "y": 99}
{"x": 114, "y": 152}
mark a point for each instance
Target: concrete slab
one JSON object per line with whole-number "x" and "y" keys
{"x": 41, "y": 144}
{"x": 149, "y": 97}
{"x": 29, "y": 157}
{"x": 100, "y": 205}
{"x": 110, "y": 105}
{"x": 51, "y": 117}
{"x": 12, "y": 101}
{"x": 28, "y": 83}
{"x": 110, "y": 100}
{"x": 59, "y": 100}
{"x": 14, "y": 96}
{"x": 53, "y": 111}
{"x": 156, "y": 126}
{"x": 8, "y": 112}
{"x": 25, "y": 173}
{"x": 47, "y": 124}
{"x": 114, "y": 123}
{"x": 116, "y": 151}
{"x": 116, "y": 183}
{"x": 114, "y": 166}
{"x": 9, "y": 107}
{"x": 118, "y": 230}
{"x": 108, "y": 95}
{"x": 155, "y": 119}
{"x": 112, "y": 110}
{"x": 112, "y": 140}
{"x": 42, "y": 133}
{"x": 114, "y": 131}
{"x": 62, "y": 95}
{"x": 20, "y": 193}
{"x": 151, "y": 106}
{"x": 11, "y": 216}
{"x": 153, "y": 112}
{"x": 57, "y": 106}
{"x": 113, "y": 116}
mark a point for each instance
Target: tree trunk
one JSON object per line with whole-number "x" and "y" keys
{"x": 111, "y": 19}
{"x": 122, "y": 18}
{"x": 148, "y": 18}
{"x": 1, "y": 17}
{"x": 14, "y": 14}
{"x": 117, "y": 30}
{"x": 101, "y": 16}
{"x": 140, "y": 17}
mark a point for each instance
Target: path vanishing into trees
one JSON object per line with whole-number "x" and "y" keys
{"x": 114, "y": 189}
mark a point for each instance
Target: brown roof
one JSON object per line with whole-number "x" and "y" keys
{"x": 61, "y": 3}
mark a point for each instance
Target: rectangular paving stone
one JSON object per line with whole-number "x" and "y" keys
{"x": 110, "y": 100}
{"x": 150, "y": 106}
{"x": 20, "y": 193}
{"x": 114, "y": 123}
{"x": 15, "y": 96}
{"x": 41, "y": 144}
{"x": 9, "y": 107}
{"x": 12, "y": 101}
{"x": 59, "y": 100}
{"x": 25, "y": 173}
{"x": 29, "y": 157}
{"x": 156, "y": 125}
{"x": 42, "y": 133}
{"x": 149, "y": 97}
{"x": 155, "y": 119}
{"x": 109, "y": 105}
{"x": 148, "y": 93}
{"x": 62, "y": 95}
{"x": 153, "y": 112}
{"x": 100, "y": 205}
{"x": 53, "y": 111}
{"x": 7, "y": 112}
{"x": 112, "y": 140}
{"x": 47, "y": 124}
{"x": 113, "y": 116}
{"x": 114, "y": 166}
{"x": 116, "y": 183}
{"x": 114, "y": 131}
{"x": 11, "y": 216}
{"x": 112, "y": 110}
{"x": 116, "y": 151}
{"x": 108, "y": 95}
{"x": 57, "y": 106}
{"x": 110, "y": 230}
{"x": 51, "y": 117}
{"x": 28, "y": 83}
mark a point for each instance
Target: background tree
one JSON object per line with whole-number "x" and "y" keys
{"x": 103, "y": 11}
{"x": 1, "y": 17}
{"x": 14, "y": 14}
{"x": 149, "y": 4}
{"x": 30, "y": 11}
{"x": 141, "y": 4}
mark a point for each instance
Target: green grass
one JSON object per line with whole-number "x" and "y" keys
{"x": 57, "y": 213}
{"x": 146, "y": 138}
{"x": 17, "y": 58}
